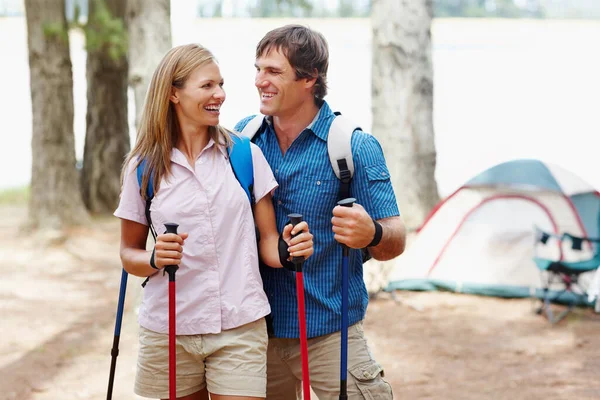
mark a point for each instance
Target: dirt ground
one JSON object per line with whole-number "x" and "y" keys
{"x": 58, "y": 299}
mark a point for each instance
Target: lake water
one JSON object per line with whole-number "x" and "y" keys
{"x": 503, "y": 88}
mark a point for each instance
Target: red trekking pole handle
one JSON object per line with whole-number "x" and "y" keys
{"x": 295, "y": 219}
{"x": 171, "y": 269}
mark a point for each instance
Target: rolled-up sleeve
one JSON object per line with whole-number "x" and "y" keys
{"x": 371, "y": 184}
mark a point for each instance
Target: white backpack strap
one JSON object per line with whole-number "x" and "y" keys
{"x": 338, "y": 144}
{"x": 339, "y": 148}
{"x": 253, "y": 126}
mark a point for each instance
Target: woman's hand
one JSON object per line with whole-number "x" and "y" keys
{"x": 300, "y": 245}
{"x": 168, "y": 249}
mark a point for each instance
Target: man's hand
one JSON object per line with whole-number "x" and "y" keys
{"x": 352, "y": 226}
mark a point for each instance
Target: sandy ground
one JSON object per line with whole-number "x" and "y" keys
{"x": 58, "y": 300}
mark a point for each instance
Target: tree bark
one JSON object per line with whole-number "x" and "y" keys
{"x": 149, "y": 27}
{"x": 402, "y": 104}
{"x": 55, "y": 200}
{"x": 107, "y": 129}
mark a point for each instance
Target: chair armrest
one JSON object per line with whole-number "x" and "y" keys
{"x": 577, "y": 241}
{"x": 582, "y": 238}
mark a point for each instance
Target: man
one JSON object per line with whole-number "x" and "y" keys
{"x": 291, "y": 77}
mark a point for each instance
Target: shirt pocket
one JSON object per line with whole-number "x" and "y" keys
{"x": 380, "y": 199}
{"x": 377, "y": 173}
{"x": 321, "y": 186}
{"x": 316, "y": 196}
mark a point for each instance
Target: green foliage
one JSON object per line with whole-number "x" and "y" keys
{"x": 15, "y": 196}
{"x": 346, "y": 8}
{"x": 488, "y": 9}
{"x": 55, "y": 31}
{"x": 76, "y": 13}
{"x": 217, "y": 13}
{"x": 282, "y": 8}
{"x": 304, "y": 4}
{"x": 105, "y": 33}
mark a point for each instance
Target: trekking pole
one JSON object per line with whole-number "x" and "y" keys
{"x": 298, "y": 262}
{"x": 348, "y": 202}
{"x": 114, "y": 352}
{"x": 171, "y": 269}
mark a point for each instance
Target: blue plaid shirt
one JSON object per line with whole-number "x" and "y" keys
{"x": 308, "y": 185}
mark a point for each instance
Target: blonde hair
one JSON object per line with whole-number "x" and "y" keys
{"x": 159, "y": 128}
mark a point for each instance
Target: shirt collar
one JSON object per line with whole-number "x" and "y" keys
{"x": 178, "y": 157}
{"x": 317, "y": 125}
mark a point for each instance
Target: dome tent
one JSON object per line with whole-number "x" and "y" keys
{"x": 481, "y": 238}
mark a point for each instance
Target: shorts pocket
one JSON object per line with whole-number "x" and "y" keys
{"x": 368, "y": 376}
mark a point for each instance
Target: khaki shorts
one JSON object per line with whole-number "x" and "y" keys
{"x": 233, "y": 362}
{"x": 364, "y": 378}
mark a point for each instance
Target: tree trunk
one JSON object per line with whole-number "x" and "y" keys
{"x": 149, "y": 27}
{"x": 55, "y": 197}
{"x": 107, "y": 129}
{"x": 403, "y": 101}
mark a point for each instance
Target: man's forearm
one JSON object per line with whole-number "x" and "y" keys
{"x": 393, "y": 240}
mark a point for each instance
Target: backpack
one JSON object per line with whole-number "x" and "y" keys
{"x": 338, "y": 147}
{"x": 240, "y": 157}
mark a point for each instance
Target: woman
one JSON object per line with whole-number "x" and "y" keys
{"x": 221, "y": 304}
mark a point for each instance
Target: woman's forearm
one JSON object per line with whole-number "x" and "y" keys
{"x": 137, "y": 262}
{"x": 268, "y": 248}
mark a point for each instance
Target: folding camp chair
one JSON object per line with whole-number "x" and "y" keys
{"x": 565, "y": 273}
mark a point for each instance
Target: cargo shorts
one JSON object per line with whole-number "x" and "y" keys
{"x": 232, "y": 362}
{"x": 364, "y": 378}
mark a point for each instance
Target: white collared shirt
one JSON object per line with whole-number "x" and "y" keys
{"x": 218, "y": 283}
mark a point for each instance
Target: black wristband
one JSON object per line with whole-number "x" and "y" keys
{"x": 152, "y": 264}
{"x": 378, "y": 234}
{"x": 284, "y": 254}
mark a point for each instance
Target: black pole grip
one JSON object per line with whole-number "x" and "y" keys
{"x": 347, "y": 202}
{"x": 171, "y": 227}
{"x": 295, "y": 219}
{"x": 171, "y": 269}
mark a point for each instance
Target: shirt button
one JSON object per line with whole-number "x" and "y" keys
{"x": 318, "y": 182}
{"x": 279, "y": 202}
{"x": 383, "y": 174}
{"x": 276, "y": 171}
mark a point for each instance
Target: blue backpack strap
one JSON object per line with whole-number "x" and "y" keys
{"x": 149, "y": 193}
{"x": 140, "y": 174}
{"x": 240, "y": 157}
